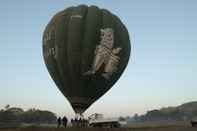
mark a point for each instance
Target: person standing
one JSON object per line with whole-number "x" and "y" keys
{"x": 59, "y": 122}
{"x": 65, "y": 120}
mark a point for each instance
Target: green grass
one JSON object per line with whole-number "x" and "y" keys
{"x": 145, "y": 126}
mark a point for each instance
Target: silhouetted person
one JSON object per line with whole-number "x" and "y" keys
{"x": 76, "y": 122}
{"x": 80, "y": 122}
{"x": 65, "y": 120}
{"x": 59, "y": 121}
{"x": 72, "y": 122}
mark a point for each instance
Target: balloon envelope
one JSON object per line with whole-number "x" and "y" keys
{"x": 86, "y": 49}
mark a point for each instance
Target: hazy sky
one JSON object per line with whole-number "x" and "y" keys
{"x": 162, "y": 70}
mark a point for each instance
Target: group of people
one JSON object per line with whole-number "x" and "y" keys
{"x": 77, "y": 122}
{"x": 62, "y": 121}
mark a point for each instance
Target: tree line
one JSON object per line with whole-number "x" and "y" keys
{"x": 184, "y": 112}
{"x": 15, "y": 114}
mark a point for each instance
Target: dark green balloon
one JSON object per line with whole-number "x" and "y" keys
{"x": 70, "y": 41}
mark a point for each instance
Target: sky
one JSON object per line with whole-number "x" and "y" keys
{"x": 162, "y": 69}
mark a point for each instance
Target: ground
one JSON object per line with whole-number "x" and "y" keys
{"x": 145, "y": 126}
{"x": 103, "y": 129}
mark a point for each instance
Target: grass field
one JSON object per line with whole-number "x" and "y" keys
{"x": 131, "y": 128}
{"x": 145, "y": 126}
{"x": 102, "y": 129}
{"x": 159, "y": 124}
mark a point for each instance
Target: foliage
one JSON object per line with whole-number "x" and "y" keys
{"x": 29, "y": 116}
{"x": 180, "y": 113}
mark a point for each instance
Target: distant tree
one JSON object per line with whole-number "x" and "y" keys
{"x": 121, "y": 118}
{"x": 11, "y": 114}
{"x": 38, "y": 116}
{"x": 8, "y": 116}
{"x": 128, "y": 117}
{"x": 7, "y": 106}
{"x": 136, "y": 117}
{"x": 30, "y": 116}
{"x": 16, "y": 110}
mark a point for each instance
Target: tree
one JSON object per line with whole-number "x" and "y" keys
{"x": 121, "y": 118}
{"x": 136, "y": 117}
{"x": 7, "y": 106}
{"x": 16, "y": 114}
{"x": 38, "y": 116}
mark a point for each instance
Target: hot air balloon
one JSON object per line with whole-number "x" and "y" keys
{"x": 85, "y": 49}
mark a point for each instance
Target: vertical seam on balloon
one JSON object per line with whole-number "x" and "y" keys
{"x": 67, "y": 55}
{"x": 81, "y": 44}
